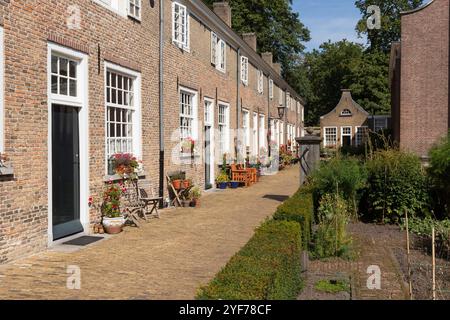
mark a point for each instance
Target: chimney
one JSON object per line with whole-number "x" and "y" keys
{"x": 223, "y": 10}
{"x": 250, "y": 38}
{"x": 268, "y": 57}
{"x": 277, "y": 68}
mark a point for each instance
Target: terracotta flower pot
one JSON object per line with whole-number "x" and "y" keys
{"x": 195, "y": 203}
{"x": 176, "y": 184}
{"x": 186, "y": 184}
{"x": 113, "y": 225}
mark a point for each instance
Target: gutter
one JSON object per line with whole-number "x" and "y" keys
{"x": 161, "y": 102}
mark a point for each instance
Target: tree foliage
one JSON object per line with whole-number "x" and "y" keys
{"x": 278, "y": 29}
{"x": 390, "y": 21}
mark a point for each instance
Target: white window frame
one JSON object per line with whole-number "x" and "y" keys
{"x": 226, "y": 124}
{"x": 117, "y": 6}
{"x": 137, "y": 108}
{"x": 346, "y": 113}
{"x": 194, "y": 115}
{"x": 288, "y": 100}
{"x": 183, "y": 24}
{"x": 358, "y": 137}
{"x": 2, "y": 89}
{"x": 246, "y": 127}
{"x": 280, "y": 96}
{"x": 218, "y": 53}
{"x": 209, "y": 105}
{"x": 214, "y": 40}
{"x": 82, "y": 103}
{"x": 260, "y": 81}
{"x": 137, "y": 4}
{"x": 271, "y": 89}
{"x": 346, "y": 135}
{"x": 262, "y": 131}
{"x": 325, "y": 135}
{"x": 255, "y": 134}
{"x": 244, "y": 70}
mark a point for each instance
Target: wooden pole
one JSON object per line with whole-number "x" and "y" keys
{"x": 408, "y": 256}
{"x": 433, "y": 252}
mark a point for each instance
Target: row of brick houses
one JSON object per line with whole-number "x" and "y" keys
{"x": 84, "y": 79}
{"x": 419, "y": 78}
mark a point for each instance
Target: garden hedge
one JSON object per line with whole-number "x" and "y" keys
{"x": 267, "y": 268}
{"x": 299, "y": 208}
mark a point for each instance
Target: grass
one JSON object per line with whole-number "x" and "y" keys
{"x": 332, "y": 286}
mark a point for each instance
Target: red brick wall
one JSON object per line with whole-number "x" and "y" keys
{"x": 424, "y": 77}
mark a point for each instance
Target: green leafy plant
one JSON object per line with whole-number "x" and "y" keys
{"x": 330, "y": 238}
{"x": 332, "y": 286}
{"x": 196, "y": 193}
{"x": 222, "y": 178}
{"x": 439, "y": 172}
{"x": 345, "y": 176}
{"x": 111, "y": 199}
{"x": 267, "y": 268}
{"x": 396, "y": 182}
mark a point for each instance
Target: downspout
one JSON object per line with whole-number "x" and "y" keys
{"x": 238, "y": 103}
{"x": 161, "y": 102}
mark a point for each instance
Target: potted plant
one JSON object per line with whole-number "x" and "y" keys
{"x": 196, "y": 193}
{"x": 234, "y": 184}
{"x": 113, "y": 220}
{"x": 126, "y": 165}
{"x": 176, "y": 180}
{"x": 187, "y": 183}
{"x": 222, "y": 180}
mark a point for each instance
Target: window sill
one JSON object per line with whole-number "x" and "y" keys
{"x": 6, "y": 170}
{"x": 117, "y": 177}
{"x": 188, "y": 156}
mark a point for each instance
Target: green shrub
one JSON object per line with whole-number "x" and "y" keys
{"x": 267, "y": 268}
{"x": 299, "y": 208}
{"x": 439, "y": 172}
{"x": 345, "y": 176}
{"x": 330, "y": 238}
{"x": 396, "y": 182}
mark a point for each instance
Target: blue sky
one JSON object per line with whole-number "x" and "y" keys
{"x": 329, "y": 19}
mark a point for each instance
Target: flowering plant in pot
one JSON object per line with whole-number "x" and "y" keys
{"x": 188, "y": 145}
{"x": 125, "y": 164}
{"x": 222, "y": 180}
{"x": 177, "y": 180}
{"x": 113, "y": 220}
{"x": 196, "y": 193}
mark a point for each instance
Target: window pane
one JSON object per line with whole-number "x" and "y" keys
{"x": 54, "y": 64}
{"x": 63, "y": 66}
{"x": 63, "y": 86}
{"x": 55, "y": 84}
{"x": 73, "y": 69}
{"x": 73, "y": 88}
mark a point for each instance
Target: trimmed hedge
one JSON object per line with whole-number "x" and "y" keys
{"x": 267, "y": 268}
{"x": 299, "y": 208}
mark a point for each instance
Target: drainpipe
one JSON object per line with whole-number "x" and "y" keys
{"x": 238, "y": 102}
{"x": 161, "y": 102}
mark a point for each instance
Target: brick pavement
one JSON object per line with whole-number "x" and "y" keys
{"x": 165, "y": 259}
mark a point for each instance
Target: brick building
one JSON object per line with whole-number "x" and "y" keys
{"x": 419, "y": 77}
{"x": 345, "y": 125}
{"x": 84, "y": 79}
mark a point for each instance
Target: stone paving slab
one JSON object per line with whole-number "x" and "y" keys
{"x": 168, "y": 258}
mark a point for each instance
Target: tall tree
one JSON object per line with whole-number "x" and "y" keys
{"x": 278, "y": 29}
{"x": 390, "y": 21}
{"x": 346, "y": 65}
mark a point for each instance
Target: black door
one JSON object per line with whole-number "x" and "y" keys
{"x": 346, "y": 141}
{"x": 208, "y": 164}
{"x": 65, "y": 172}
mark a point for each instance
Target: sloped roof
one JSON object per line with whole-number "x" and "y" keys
{"x": 347, "y": 94}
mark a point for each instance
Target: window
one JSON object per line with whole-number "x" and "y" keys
{"x": 280, "y": 96}
{"x": 361, "y": 135}
{"x": 208, "y": 113}
{"x": 121, "y": 104}
{"x": 346, "y": 136}
{"x": 64, "y": 76}
{"x": 288, "y": 100}
{"x": 380, "y": 124}
{"x": 180, "y": 26}
{"x": 260, "y": 82}
{"x": 188, "y": 115}
{"x": 272, "y": 130}
{"x": 223, "y": 128}
{"x": 270, "y": 88}
{"x": 134, "y": 9}
{"x": 281, "y": 132}
{"x": 255, "y": 134}
{"x": 346, "y": 113}
{"x": 218, "y": 52}
{"x": 330, "y": 137}
{"x": 2, "y": 147}
{"x": 244, "y": 70}
{"x": 262, "y": 131}
{"x": 246, "y": 127}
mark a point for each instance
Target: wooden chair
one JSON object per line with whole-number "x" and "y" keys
{"x": 133, "y": 206}
{"x": 150, "y": 203}
{"x": 240, "y": 175}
